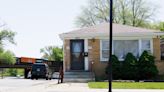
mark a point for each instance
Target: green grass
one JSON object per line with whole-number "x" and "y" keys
{"x": 128, "y": 85}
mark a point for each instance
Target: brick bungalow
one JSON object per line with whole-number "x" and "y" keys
{"x": 87, "y": 49}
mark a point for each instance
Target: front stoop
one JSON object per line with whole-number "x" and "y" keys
{"x": 78, "y": 77}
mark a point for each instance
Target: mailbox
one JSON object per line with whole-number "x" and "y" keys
{"x": 85, "y": 54}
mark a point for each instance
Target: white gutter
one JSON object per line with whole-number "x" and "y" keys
{"x": 91, "y": 35}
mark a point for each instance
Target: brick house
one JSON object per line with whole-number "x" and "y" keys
{"x": 87, "y": 49}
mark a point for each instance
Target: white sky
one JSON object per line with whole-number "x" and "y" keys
{"x": 39, "y": 22}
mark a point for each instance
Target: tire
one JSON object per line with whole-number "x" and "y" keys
{"x": 46, "y": 78}
{"x": 32, "y": 77}
{"x": 36, "y": 78}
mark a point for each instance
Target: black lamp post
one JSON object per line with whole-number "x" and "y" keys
{"x": 110, "y": 46}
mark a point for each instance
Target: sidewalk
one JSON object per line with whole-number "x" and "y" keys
{"x": 83, "y": 87}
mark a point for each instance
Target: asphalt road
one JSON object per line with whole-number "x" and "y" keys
{"x": 9, "y": 84}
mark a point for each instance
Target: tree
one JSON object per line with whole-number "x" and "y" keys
{"x": 159, "y": 26}
{"x": 6, "y": 57}
{"x": 96, "y": 12}
{"x": 162, "y": 26}
{"x": 6, "y": 35}
{"x": 52, "y": 53}
{"x": 127, "y": 12}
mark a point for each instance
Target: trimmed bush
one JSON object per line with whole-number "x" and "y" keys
{"x": 116, "y": 72}
{"x": 146, "y": 66}
{"x": 129, "y": 67}
{"x": 133, "y": 69}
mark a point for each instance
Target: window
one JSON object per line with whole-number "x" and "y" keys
{"x": 122, "y": 47}
{"x": 145, "y": 45}
{"x": 104, "y": 50}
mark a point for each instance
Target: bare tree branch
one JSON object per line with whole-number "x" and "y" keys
{"x": 127, "y": 12}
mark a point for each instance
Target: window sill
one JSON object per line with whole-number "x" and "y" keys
{"x": 102, "y": 61}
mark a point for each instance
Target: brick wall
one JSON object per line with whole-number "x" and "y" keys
{"x": 94, "y": 56}
{"x": 67, "y": 54}
{"x": 160, "y": 66}
{"x": 157, "y": 53}
{"x": 156, "y": 49}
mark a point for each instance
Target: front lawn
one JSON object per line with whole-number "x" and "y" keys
{"x": 128, "y": 85}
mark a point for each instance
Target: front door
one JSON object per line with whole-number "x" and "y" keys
{"x": 77, "y": 57}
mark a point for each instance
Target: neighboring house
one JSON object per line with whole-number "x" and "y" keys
{"x": 87, "y": 49}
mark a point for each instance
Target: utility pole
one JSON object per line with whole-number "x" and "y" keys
{"x": 110, "y": 46}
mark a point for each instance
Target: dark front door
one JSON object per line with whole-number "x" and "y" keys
{"x": 77, "y": 58}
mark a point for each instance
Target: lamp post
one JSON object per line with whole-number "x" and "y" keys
{"x": 110, "y": 46}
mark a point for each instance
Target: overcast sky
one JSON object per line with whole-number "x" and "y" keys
{"x": 38, "y": 23}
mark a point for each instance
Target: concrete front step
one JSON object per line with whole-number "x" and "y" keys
{"x": 78, "y": 73}
{"x": 79, "y": 80}
{"x": 78, "y": 76}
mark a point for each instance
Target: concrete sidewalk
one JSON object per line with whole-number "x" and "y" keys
{"x": 83, "y": 87}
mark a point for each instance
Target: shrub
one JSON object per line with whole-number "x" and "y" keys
{"x": 129, "y": 67}
{"x": 133, "y": 69}
{"x": 146, "y": 66}
{"x": 12, "y": 72}
{"x": 116, "y": 72}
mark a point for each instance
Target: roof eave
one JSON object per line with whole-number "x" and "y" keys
{"x": 91, "y": 35}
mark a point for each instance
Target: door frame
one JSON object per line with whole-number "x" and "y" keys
{"x": 83, "y": 59}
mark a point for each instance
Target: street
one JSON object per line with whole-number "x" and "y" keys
{"x": 9, "y": 84}
{"x": 13, "y": 84}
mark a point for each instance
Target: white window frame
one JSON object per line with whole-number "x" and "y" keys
{"x": 101, "y": 58}
{"x": 140, "y": 47}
